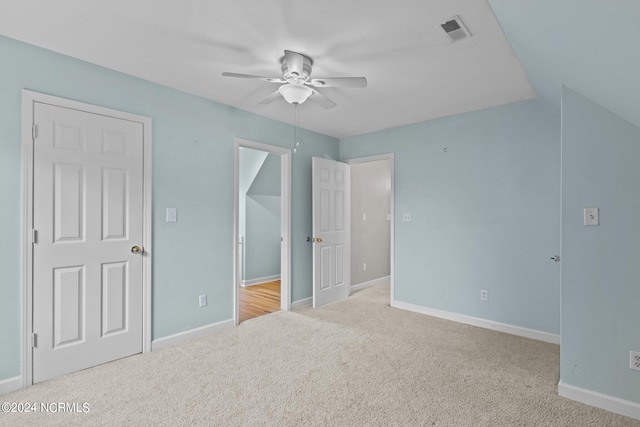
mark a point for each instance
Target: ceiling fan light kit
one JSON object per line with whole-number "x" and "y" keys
{"x": 296, "y": 82}
{"x": 295, "y": 94}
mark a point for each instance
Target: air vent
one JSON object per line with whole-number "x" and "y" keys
{"x": 454, "y": 29}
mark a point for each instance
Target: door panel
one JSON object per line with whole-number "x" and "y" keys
{"x": 69, "y": 310}
{"x": 330, "y": 231}
{"x": 114, "y": 203}
{"x": 68, "y": 202}
{"x": 114, "y": 297}
{"x": 87, "y": 210}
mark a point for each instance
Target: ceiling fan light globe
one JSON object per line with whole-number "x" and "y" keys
{"x": 295, "y": 94}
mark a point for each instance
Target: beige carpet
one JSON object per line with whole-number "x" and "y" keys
{"x": 353, "y": 363}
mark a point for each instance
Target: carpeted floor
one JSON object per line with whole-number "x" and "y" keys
{"x": 352, "y": 363}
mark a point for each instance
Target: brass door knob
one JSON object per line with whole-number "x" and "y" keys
{"x": 136, "y": 249}
{"x": 319, "y": 239}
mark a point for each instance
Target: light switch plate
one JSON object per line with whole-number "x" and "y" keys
{"x": 172, "y": 215}
{"x": 591, "y": 216}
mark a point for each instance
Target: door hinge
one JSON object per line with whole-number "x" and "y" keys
{"x": 34, "y": 236}
{"x": 34, "y": 340}
{"x": 34, "y": 131}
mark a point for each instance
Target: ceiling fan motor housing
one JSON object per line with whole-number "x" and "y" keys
{"x": 297, "y": 76}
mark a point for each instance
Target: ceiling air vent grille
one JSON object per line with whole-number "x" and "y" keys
{"x": 454, "y": 29}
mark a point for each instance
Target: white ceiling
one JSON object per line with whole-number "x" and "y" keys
{"x": 414, "y": 72}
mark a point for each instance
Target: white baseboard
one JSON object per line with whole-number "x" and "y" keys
{"x": 483, "y": 323}
{"x": 260, "y": 280}
{"x": 10, "y": 385}
{"x": 599, "y": 400}
{"x": 190, "y": 334}
{"x": 302, "y": 302}
{"x": 370, "y": 283}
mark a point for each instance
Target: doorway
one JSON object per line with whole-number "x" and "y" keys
{"x": 262, "y": 229}
{"x": 372, "y": 221}
{"x": 87, "y": 237}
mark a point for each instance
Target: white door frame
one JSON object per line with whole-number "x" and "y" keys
{"x": 29, "y": 98}
{"x": 285, "y": 221}
{"x": 391, "y": 158}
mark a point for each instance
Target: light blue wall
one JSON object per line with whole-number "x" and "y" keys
{"x": 262, "y": 241}
{"x": 193, "y": 146}
{"x": 600, "y": 266}
{"x": 485, "y": 213}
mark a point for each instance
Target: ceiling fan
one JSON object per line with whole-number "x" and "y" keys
{"x": 296, "y": 83}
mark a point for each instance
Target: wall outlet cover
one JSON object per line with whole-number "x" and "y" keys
{"x": 634, "y": 360}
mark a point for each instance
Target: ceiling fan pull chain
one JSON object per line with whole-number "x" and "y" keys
{"x": 295, "y": 130}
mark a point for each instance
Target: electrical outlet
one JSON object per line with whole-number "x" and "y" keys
{"x": 484, "y": 295}
{"x": 202, "y": 300}
{"x": 634, "y": 360}
{"x": 364, "y": 266}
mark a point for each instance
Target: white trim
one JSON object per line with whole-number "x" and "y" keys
{"x": 27, "y": 221}
{"x": 482, "y": 323}
{"x": 603, "y": 401}
{"x": 174, "y": 339}
{"x": 391, "y": 158}
{"x": 370, "y": 283}
{"x": 285, "y": 218}
{"x": 10, "y": 385}
{"x": 260, "y": 280}
{"x": 28, "y": 100}
{"x": 302, "y": 302}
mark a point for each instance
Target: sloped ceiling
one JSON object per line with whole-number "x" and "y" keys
{"x": 591, "y": 46}
{"x": 267, "y": 180}
{"x": 250, "y": 162}
{"x": 414, "y": 72}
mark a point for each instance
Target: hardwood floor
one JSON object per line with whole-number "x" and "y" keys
{"x": 259, "y": 299}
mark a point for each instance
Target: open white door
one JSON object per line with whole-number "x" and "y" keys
{"x": 331, "y": 225}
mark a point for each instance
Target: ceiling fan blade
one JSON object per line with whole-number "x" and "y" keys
{"x": 322, "y": 100}
{"x": 295, "y": 62}
{"x": 251, "y": 76}
{"x": 340, "y": 82}
{"x": 269, "y": 99}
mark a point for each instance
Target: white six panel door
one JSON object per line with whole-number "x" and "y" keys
{"x": 331, "y": 199}
{"x": 88, "y": 214}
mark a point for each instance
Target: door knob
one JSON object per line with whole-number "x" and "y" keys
{"x": 136, "y": 249}
{"x": 556, "y": 258}
{"x": 319, "y": 239}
